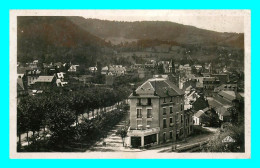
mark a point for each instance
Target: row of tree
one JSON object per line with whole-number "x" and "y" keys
{"x": 57, "y": 115}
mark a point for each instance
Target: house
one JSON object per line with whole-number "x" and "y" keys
{"x": 117, "y": 70}
{"x": 61, "y": 79}
{"x": 92, "y": 69}
{"x": 32, "y": 76}
{"x": 73, "y": 68}
{"x": 45, "y": 83}
{"x": 223, "y": 103}
{"x": 227, "y": 95}
{"x": 226, "y": 87}
{"x": 224, "y": 113}
{"x": 58, "y": 65}
{"x": 223, "y": 78}
{"x": 157, "y": 114}
{"x": 104, "y": 70}
{"x": 35, "y": 62}
{"x": 198, "y": 67}
{"x": 209, "y": 84}
{"x": 198, "y": 116}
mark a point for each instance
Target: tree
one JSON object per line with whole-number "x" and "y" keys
{"x": 122, "y": 132}
{"x": 62, "y": 131}
{"x": 22, "y": 118}
{"x": 173, "y": 66}
{"x": 160, "y": 69}
{"x": 216, "y": 143}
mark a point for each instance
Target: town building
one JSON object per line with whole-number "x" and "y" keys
{"x": 117, "y": 70}
{"x": 45, "y": 83}
{"x": 157, "y": 114}
{"x": 73, "y": 68}
{"x": 32, "y": 76}
{"x": 198, "y": 116}
{"x": 209, "y": 84}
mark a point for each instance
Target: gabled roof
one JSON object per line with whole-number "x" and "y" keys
{"x": 229, "y": 95}
{"x": 213, "y": 103}
{"x": 45, "y": 79}
{"x": 224, "y": 110}
{"x": 162, "y": 87}
{"x": 20, "y": 84}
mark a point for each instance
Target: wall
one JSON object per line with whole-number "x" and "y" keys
{"x": 155, "y": 112}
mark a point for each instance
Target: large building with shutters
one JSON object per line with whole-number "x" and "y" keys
{"x": 157, "y": 115}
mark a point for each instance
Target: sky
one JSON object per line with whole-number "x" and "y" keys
{"x": 220, "y": 21}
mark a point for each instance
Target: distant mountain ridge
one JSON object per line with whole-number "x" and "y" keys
{"x": 80, "y": 40}
{"x": 55, "y": 39}
{"x": 160, "y": 30}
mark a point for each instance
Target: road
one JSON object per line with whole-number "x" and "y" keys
{"x": 114, "y": 143}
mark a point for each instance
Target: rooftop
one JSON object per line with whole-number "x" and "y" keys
{"x": 160, "y": 86}
{"x": 229, "y": 95}
{"x": 45, "y": 79}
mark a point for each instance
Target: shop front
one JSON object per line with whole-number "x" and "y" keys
{"x": 142, "y": 138}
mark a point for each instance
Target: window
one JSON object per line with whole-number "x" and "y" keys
{"x": 170, "y": 134}
{"x": 171, "y": 122}
{"x": 149, "y": 101}
{"x": 164, "y": 100}
{"x": 149, "y": 113}
{"x": 171, "y": 110}
{"x": 181, "y": 107}
{"x": 171, "y": 99}
{"x": 181, "y": 119}
{"x": 164, "y": 123}
{"x": 149, "y": 123}
{"x": 164, "y": 137}
{"x": 164, "y": 111}
{"x": 177, "y": 116}
{"x": 139, "y": 113}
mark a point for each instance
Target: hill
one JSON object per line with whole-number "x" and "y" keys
{"x": 160, "y": 30}
{"x": 55, "y": 39}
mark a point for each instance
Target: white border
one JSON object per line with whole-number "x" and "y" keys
{"x": 134, "y": 155}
